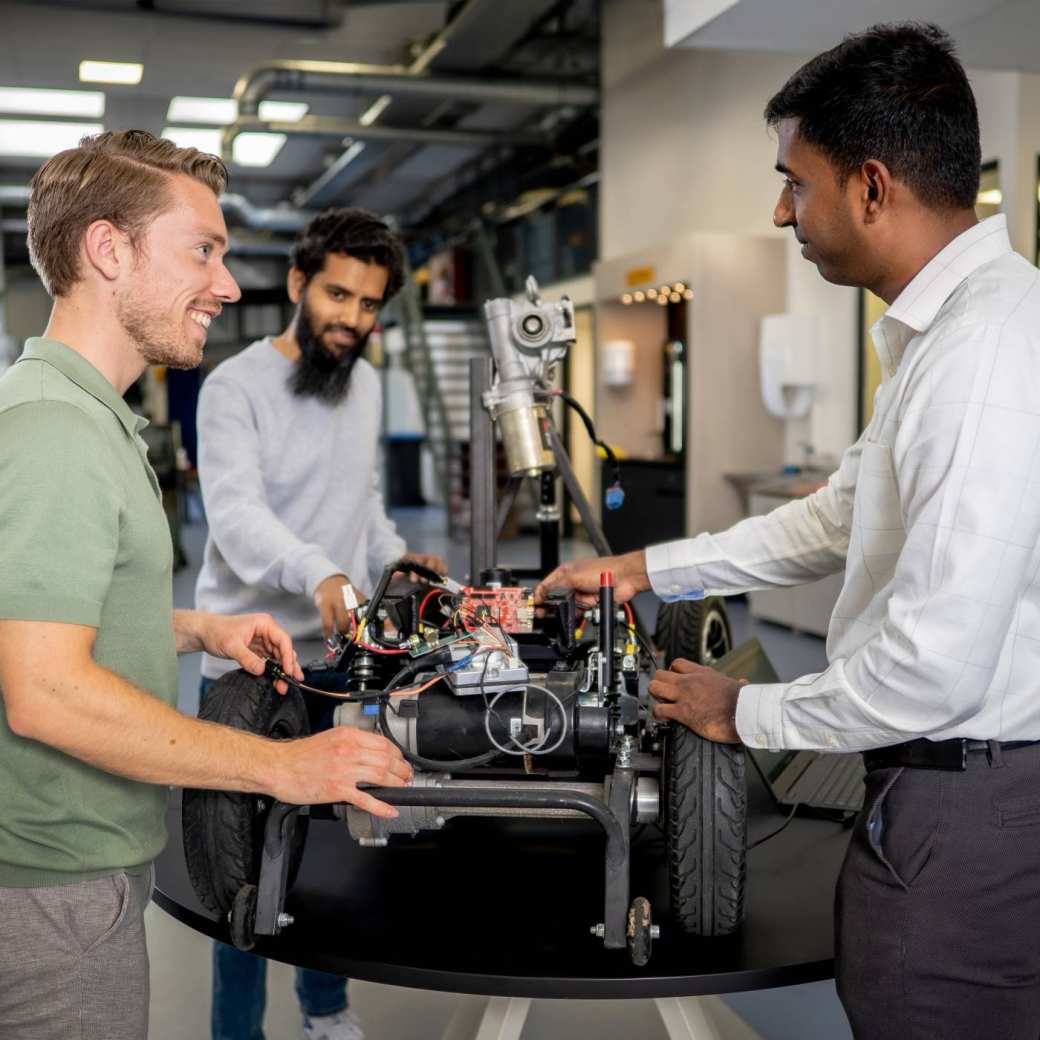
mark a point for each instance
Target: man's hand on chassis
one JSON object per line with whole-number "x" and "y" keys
{"x": 700, "y": 698}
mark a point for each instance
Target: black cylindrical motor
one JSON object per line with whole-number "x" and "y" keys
{"x": 449, "y": 726}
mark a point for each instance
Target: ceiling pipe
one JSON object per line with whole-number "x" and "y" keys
{"x": 260, "y": 218}
{"x": 326, "y": 186}
{"x": 413, "y": 78}
{"x": 256, "y": 218}
{"x": 342, "y": 76}
{"x": 325, "y": 126}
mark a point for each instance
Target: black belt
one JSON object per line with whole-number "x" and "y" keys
{"x": 935, "y": 754}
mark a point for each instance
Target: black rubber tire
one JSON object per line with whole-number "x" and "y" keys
{"x": 697, "y": 629}
{"x": 242, "y": 918}
{"x": 223, "y": 830}
{"x": 639, "y": 932}
{"x": 704, "y": 796}
{"x": 705, "y": 806}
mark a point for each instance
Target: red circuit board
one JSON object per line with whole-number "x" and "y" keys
{"x": 510, "y": 608}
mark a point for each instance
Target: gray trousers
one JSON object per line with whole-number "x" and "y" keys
{"x": 73, "y": 963}
{"x": 939, "y": 903}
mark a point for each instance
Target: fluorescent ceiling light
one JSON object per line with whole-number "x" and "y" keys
{"x": 252, "y": 149}
{"x": 87, "y": 104}
{"x": 375, "y": 110}
{"x": 193, "y": 137}
{"x": 221, "y": 111}
{"x": 127, "y": 72}
{"x": 217, "y": 111}
{"x": 283, "y": 111}
{"x": 41, "y": 140}
{"x": 249, "y": 149}
{"x": 990, "y": 197}
{"x": 356, "y": 148}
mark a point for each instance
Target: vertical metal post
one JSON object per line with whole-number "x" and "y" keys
{"x": 481, "y": 472}
{"x": 548, "y": 523}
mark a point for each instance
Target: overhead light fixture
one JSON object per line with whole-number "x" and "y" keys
{"x": 990, "y": 197}
{"x": 222, "y": 111}
{"x": 651, "y": 294}
{"x": 626, "y": 298}
{"x": 674, "y": 297}
{"x": 375, "y": 110}
{"x": 194, "y": 137}
{"x": 42, "y": 140}
{"x": 687, "y": 294}
{"x": 124, "y": 72}
{"x": 353, "y": 150}
{"x": 283, "y": 111}
{"x": 640, "y": 296}
{"x": 85, "y": 104}
{"x": 256, "y": 149}
{"x": 215, "y": 111}
{"x": 679, "y": 286}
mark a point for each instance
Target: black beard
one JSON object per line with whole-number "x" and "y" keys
{"x": 317, "y": 372}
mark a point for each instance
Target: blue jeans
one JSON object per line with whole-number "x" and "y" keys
{"x": 240, "y": 993}
{"x": 240, "y": 983}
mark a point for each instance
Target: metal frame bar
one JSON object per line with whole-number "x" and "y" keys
{"x": 481, "y": 471}
{"x": 615, "y": 819}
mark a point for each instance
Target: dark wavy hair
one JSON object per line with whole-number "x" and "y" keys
{"x": 896, "y": 93}
{"x": 353, "y": 232}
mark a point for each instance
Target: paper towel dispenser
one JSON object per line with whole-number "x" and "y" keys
{"x": 787, "y": 363}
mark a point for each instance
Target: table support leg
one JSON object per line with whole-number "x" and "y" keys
{"x": 702, "y": 1018}
{"x": 488, "y": 1018}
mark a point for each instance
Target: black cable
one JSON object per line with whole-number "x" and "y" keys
{"x": 451, "y": 765}
{"x": 455, "y": 765}
{"x": 591, "y": 430}
{"x": 273, "y": 670}
{"x": 773, "y": 834}
{"x": 372, "y": 607}
{"x": 644, "y": 642}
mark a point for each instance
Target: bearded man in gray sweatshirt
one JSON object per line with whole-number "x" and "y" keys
{"x": 289, "y": 467}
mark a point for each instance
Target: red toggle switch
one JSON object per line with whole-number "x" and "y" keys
{"x": 606, "y": 579}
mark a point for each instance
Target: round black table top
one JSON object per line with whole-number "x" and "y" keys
{"x": 504, "y": 907}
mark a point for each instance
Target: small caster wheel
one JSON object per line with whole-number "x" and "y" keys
{"x": 242, "y": 918}
{"x": 640, "y": 931}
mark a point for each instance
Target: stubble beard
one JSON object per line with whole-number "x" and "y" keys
{"x": 159, "y": 338}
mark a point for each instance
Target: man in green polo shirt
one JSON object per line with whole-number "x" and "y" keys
{"x": 127, "y": 235}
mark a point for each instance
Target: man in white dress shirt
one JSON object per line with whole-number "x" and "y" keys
{"x": 934, "y": 515}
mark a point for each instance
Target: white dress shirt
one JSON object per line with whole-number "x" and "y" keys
{"x": 934, "y": 514}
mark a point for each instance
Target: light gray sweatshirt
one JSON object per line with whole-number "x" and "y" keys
{"x": 292, "y": 492}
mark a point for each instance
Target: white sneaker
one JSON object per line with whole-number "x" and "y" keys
{"x": 343, "y": 1025}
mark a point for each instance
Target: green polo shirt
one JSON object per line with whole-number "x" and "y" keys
{"x": 83, "y": 541}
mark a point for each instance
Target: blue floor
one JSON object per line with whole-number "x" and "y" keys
{"x": 808, "y": 1012}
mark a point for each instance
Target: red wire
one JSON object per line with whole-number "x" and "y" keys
{"x": 426, "y": 599}
{"x": 628, "y": 614}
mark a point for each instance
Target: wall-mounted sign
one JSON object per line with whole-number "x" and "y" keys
{"x": 640, "y": 276}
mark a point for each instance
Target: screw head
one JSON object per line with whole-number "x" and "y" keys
{"x": 284, "y": 920}
{"x": 655, "y": 931}
{"x": 598, "y": 930}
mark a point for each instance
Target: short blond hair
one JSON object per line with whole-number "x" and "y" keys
{"x": 119, "y": 176}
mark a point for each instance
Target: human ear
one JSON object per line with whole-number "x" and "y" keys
{"x": 107, "y": 249}
{"x": 295, "y": 283}
{"x": 875, "y": 182}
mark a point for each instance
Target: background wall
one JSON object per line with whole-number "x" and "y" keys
{"x": 684, "y": 148}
